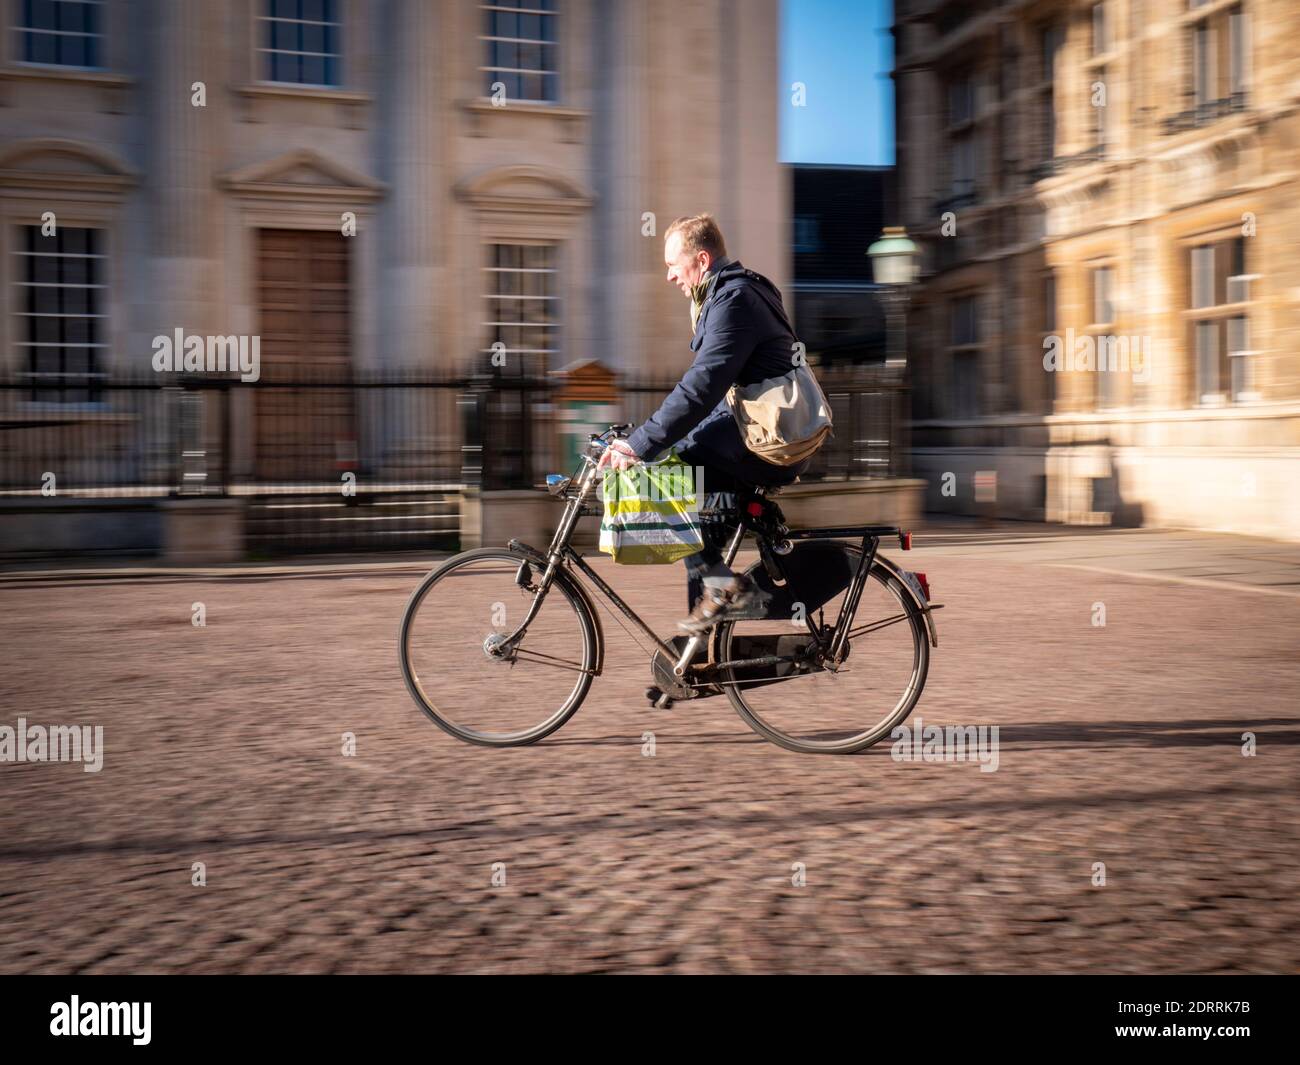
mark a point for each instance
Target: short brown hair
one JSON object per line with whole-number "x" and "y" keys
{"x": 699, "y": 233}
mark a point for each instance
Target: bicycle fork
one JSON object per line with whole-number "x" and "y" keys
{"x": 554, "y": 556}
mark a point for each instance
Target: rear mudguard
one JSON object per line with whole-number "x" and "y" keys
{"x": 539, "y": 559}
{"x": 921, "y": 604}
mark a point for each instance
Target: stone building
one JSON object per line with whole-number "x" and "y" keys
{"x": 510, "y": 167}
{"x": 1115, "y": 183}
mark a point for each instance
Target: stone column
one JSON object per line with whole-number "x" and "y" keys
{"x": 623, "y": 195}
{"x": 184, "y": 150}
{"x": 414, "y": 334}
{"x": 410, "y": 139}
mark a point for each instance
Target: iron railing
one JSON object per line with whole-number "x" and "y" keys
{"x": 327, "y": 463}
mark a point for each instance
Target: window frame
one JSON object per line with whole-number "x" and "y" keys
{"x": 963, "y": 351}
{"x": 1106, "y": 391}
{"x": 18, "y": 34}
{"x": 263, "y": 53}
{"x": 552, "y": 353}
{"x": 486, "y": 40}
{"x": 1229, "y": 276}
{"x": 21, "y": 337}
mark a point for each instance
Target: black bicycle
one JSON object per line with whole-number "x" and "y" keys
{"x": 500, "y": 645}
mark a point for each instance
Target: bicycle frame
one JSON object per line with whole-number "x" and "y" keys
{"x": 560, "y": 552}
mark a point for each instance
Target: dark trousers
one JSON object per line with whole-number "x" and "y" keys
{"x": 715, "y": 446}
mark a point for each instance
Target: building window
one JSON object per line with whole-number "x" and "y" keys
{"x": 522, "y": 306}
{"x": 303, "y": 41}
{"x": 1102, "y": 326}
{"x": 806, "y": 237}
{"x": 61, "y": 311}
{"x": 964, "y": 352}
{"x": 1219, "y": 322}
{"x": 1100, "y": 41}
{"x": 1099, "y": 100}
{"x": 1051, "y": 38}
{"x": 1220, "y": 56}
{"x": 1047, "y": 293}
{"x": 61, "y": 32}
{"x": 520, "y": 42}
{"x": 963, "y": 139}
{"x": 1103, "y": 285}
{"x": 961, "y": 102}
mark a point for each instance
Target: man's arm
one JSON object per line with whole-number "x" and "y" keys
{"x": 729, "y": 340}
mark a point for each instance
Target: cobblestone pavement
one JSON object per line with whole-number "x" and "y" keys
{"x": 1120, "y": 745}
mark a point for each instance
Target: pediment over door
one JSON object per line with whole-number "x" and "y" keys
{"x": 303, "y": 173}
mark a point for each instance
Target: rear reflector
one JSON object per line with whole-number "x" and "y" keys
{"x": 905, "y": 540}
{"x": 925, "y": 585}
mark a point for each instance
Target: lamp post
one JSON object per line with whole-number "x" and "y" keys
{"x": 894, "y": 265}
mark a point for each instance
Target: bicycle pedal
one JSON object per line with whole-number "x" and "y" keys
{"x": 659, "y": 699}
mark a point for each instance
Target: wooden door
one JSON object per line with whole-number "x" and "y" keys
{"x": 305, "y": 429}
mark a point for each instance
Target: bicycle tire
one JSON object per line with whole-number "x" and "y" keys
{"x": 591, "y": 649}
{"x": 853, "y": 744}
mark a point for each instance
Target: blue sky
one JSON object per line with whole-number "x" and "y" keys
{"x": 841, "y": 50}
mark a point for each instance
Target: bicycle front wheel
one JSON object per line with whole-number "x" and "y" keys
{"x": 459, "y": 668}
{"x": 812, "y": 709}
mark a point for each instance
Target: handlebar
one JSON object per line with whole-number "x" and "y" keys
{"x": 600, "y": 441}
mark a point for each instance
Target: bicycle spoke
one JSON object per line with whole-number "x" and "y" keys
{"x": 874, "y": 625}
{"x": 546, "y": 660}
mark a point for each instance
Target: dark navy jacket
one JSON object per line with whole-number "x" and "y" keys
{"x": 740, "y": 338}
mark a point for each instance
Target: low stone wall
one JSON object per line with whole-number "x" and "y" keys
{"x": 893, "y": 501}
{"x": 1217, "y": 469}
{"x": 200, "y": 531}
{"x": 40, "y": 527}
{"x": 493, "y": 518}
{"x": 203, "y": 530}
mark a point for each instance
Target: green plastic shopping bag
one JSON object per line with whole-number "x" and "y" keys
{"x": 652, "y": 512}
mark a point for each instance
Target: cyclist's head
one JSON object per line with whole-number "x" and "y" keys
{"x": 691, "y": 246}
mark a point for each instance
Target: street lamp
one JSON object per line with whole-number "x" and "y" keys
{"x": 894, "y": 264}
{"x": 893, "y": 257}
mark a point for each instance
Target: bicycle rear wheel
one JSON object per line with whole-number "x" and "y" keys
{"x": 460, "y": 673}
{"x": 814, "y": 710}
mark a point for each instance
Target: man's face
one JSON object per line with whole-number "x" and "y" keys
{"x": 685, "y": 268}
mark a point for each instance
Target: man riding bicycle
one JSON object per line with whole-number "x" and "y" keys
{"x": 740, "y": 336}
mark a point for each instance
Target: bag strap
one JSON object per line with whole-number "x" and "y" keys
{"x": 760, "y": 284}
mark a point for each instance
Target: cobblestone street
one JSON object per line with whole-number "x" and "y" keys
{"x": 1120, "y": 745}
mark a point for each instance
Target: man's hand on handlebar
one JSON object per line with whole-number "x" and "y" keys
{"x": 618, "y": 456}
